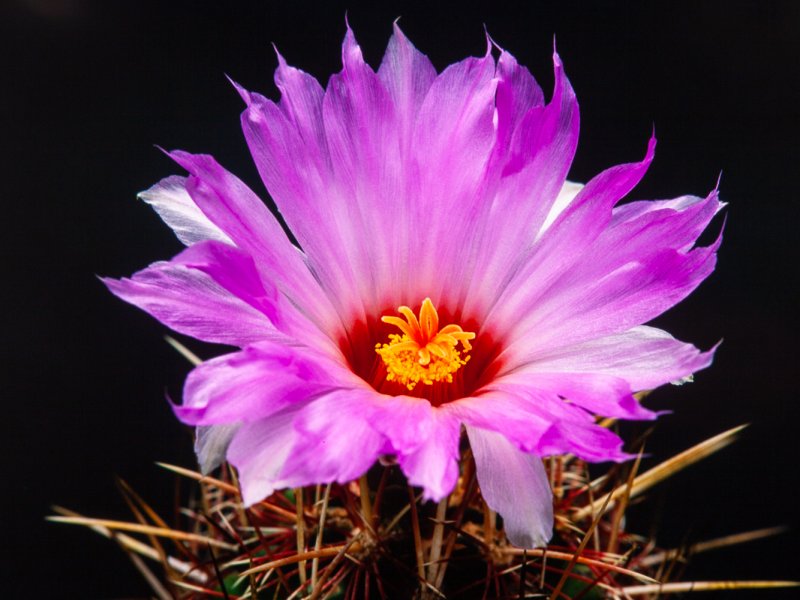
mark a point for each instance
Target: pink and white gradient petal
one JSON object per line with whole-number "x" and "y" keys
{"x": 532, "y": 166}
{"x": 259, "y": 380}
{"x": 259, "y": 450}
{"x": 646, "y": 357}
{"x": 333, "y": 442}
{"x": 192, "y": 303}
{"x": 433, "y": 466}
{"x": 515, "y": 485}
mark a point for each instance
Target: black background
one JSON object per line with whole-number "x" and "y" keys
{"x": 89, "y": 87}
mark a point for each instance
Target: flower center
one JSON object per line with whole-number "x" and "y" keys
{"x": 422, "y": 352}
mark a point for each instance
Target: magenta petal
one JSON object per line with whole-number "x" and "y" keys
{"x": 639, "y": 267}
{"x": 633, "y": 294}
{"x": 256, "y": 382}
{"x": 592, "y": 443}
{"x": 454, "y": 137}
{"x": 505, "y": 411}
{"x": 517, "y": 93}
{"x": 433, "y": 466}
{"x": 604, "y": 395}
{"x": 290, "y": 150}
{"x": 407, "y": 75}
{"x": 405, "y": 422}
{"x": 565, "y": 242}
{"x": 301, "y": 102}
{"x": 236, "y": 272}
{"x": 454, "y": 134}
{"x": 539, "y": 422}
{"x": 190, "y": 302}
{"x": 514, "y": 484}
{"x": 333, "y": 442}
{"x": 675, "y": 223}
{"x": 259, "y": 451}
{"x": 646, "y": 357}
{"x": 361, "y": 129}
{"x": 232, "y": 206}
{"x": 237, "y": 211}
{"x": 543, "y": 135}
{"x": 536, "y": 158}
{"x": 176, "y": 208}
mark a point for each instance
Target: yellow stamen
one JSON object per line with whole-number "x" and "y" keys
{"x": 422, "y": 351}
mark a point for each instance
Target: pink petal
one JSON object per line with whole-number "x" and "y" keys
{"x": 563, "y": 244}
{"x": 645, "y": 357}
{"x": 190, "y": 302}
{"x": 594, "y": 443}
{"x": 259, "y": 451}
{"x": 517, "y": 93}
{"x": 640, "y": 266}
{"x": 344, "y": 432}
{"x": 680, "y": 221}
{"x": 582, "y": 307}
{"x": 540, "y": 422}
{"x": 333, "y": 442}
{"x": 514, "y": 484}
{"x": 237, "y": 211}
{"x": 433, "y": 465}
{"x": 538, "y": 156}
{"x": 233, "y": 207}
{"x": 407, "y": 75}
{"x": 362, "y": 127}
{"x": 256, "y": 382}
{"x": 453, "y": 140}
{"x": 290, "y": 149}
{"x": 407, "y": 423}
{"x": 604, "y": 395}
{"x": 301, "y": 103}
{"x": 236, "y": 272}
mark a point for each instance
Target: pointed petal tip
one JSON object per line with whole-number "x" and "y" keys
{"x": 650, "y": 153}
{"x": 351, "y": 51}
{"x": 348, "y": 34}
{"x": 493, "y": 42}
{"x": 162, "y": 149}
{"x": 651, "y": 143}
{"x": 177, "y": 155}
{"x": 243, "y": 93}
{"x": 279, "y": 56}
{"x": 111, "y": 283}
{"x": 398, "y": 35}
{"x": 187, "y": 160}
{"x": 490, "y": 43}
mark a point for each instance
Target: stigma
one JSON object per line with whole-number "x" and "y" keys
{"x": 422, "y": 352}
